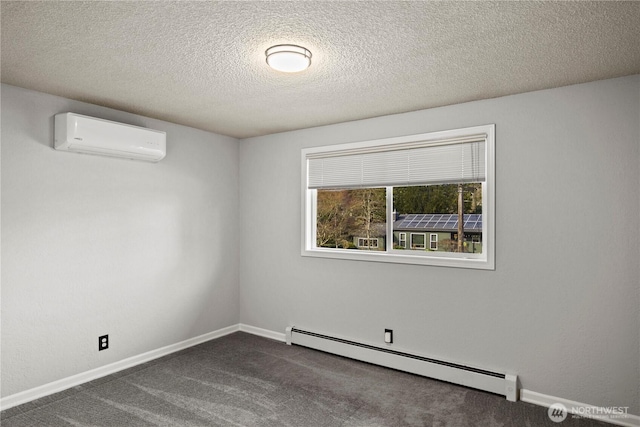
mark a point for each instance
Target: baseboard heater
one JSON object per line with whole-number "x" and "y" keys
{"x": 493, "y": 382}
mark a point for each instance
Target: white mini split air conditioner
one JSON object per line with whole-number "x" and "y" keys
{"x": 83, "y": 134}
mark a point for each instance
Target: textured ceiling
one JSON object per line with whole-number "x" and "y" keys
{"x": 202, "y": 64}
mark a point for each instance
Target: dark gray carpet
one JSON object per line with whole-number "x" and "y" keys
{"x": 244, "y": 380}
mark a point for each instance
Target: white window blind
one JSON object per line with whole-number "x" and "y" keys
{"x": 415, "y": 163}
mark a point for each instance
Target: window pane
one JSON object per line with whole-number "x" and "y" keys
{"x": 351, "y": 219}
{"x": 433, "y": 242}
{"x": 433, "y": 210}
{"x": 402, "y": 240}
{"x": 417, "y": 241}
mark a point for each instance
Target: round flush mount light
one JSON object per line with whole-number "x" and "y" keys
{"x": 288, "y": 58}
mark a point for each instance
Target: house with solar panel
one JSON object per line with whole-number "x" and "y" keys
{"x": 437, "y": 232}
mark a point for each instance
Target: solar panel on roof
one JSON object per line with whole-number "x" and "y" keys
{"x": 438, "y": 221}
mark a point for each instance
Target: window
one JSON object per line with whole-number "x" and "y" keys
{"x": 417, "y": 240}
{"x": 420, "y": 199}
{"x": 367, "y": 243}
{"x": 402, "y": 240}
{"x": 350, "y": 219}
{"x": 433, "y": 242}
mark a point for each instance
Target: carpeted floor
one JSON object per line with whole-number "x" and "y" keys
{"x": 245, "y": 380}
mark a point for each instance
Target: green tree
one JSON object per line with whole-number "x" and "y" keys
{"x": 436, "y": 199}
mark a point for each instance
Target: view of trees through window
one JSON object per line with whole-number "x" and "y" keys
{"x": 348, "y": 217}
{"x": 437, "y": 199}
{"x": 357, "y": 218}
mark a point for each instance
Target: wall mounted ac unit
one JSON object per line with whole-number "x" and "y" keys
{"x": 83, "y": 134}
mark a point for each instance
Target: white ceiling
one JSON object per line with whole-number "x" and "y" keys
{"x": 202, "y": 64}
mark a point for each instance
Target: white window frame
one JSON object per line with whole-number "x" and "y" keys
{"x": 424, "y": 240}
{"x": 402, "y": 239}
{"x": 369, "y": 241}
{"x": 432, "y": 241}
{"x": 484, "y": 261}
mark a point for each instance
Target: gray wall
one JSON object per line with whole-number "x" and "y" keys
{"x": 561, "y": 311}
{"x": 146, "y": 253}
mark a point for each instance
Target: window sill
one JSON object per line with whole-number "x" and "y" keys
{"x": 479, "y": 263}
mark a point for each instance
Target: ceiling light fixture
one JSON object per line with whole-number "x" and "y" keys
{"x": 288, "y": 58}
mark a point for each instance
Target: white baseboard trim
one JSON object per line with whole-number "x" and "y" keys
{"x": 576, "y": 408}
{"x": 582, "y": 410}
{"x": 74, "y": 380}
{"x": 263, "y": 332}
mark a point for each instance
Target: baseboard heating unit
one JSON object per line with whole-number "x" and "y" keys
{"x": 493, "y": 382}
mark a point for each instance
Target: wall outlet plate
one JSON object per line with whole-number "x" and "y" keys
{"x": 103, "y": 342}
